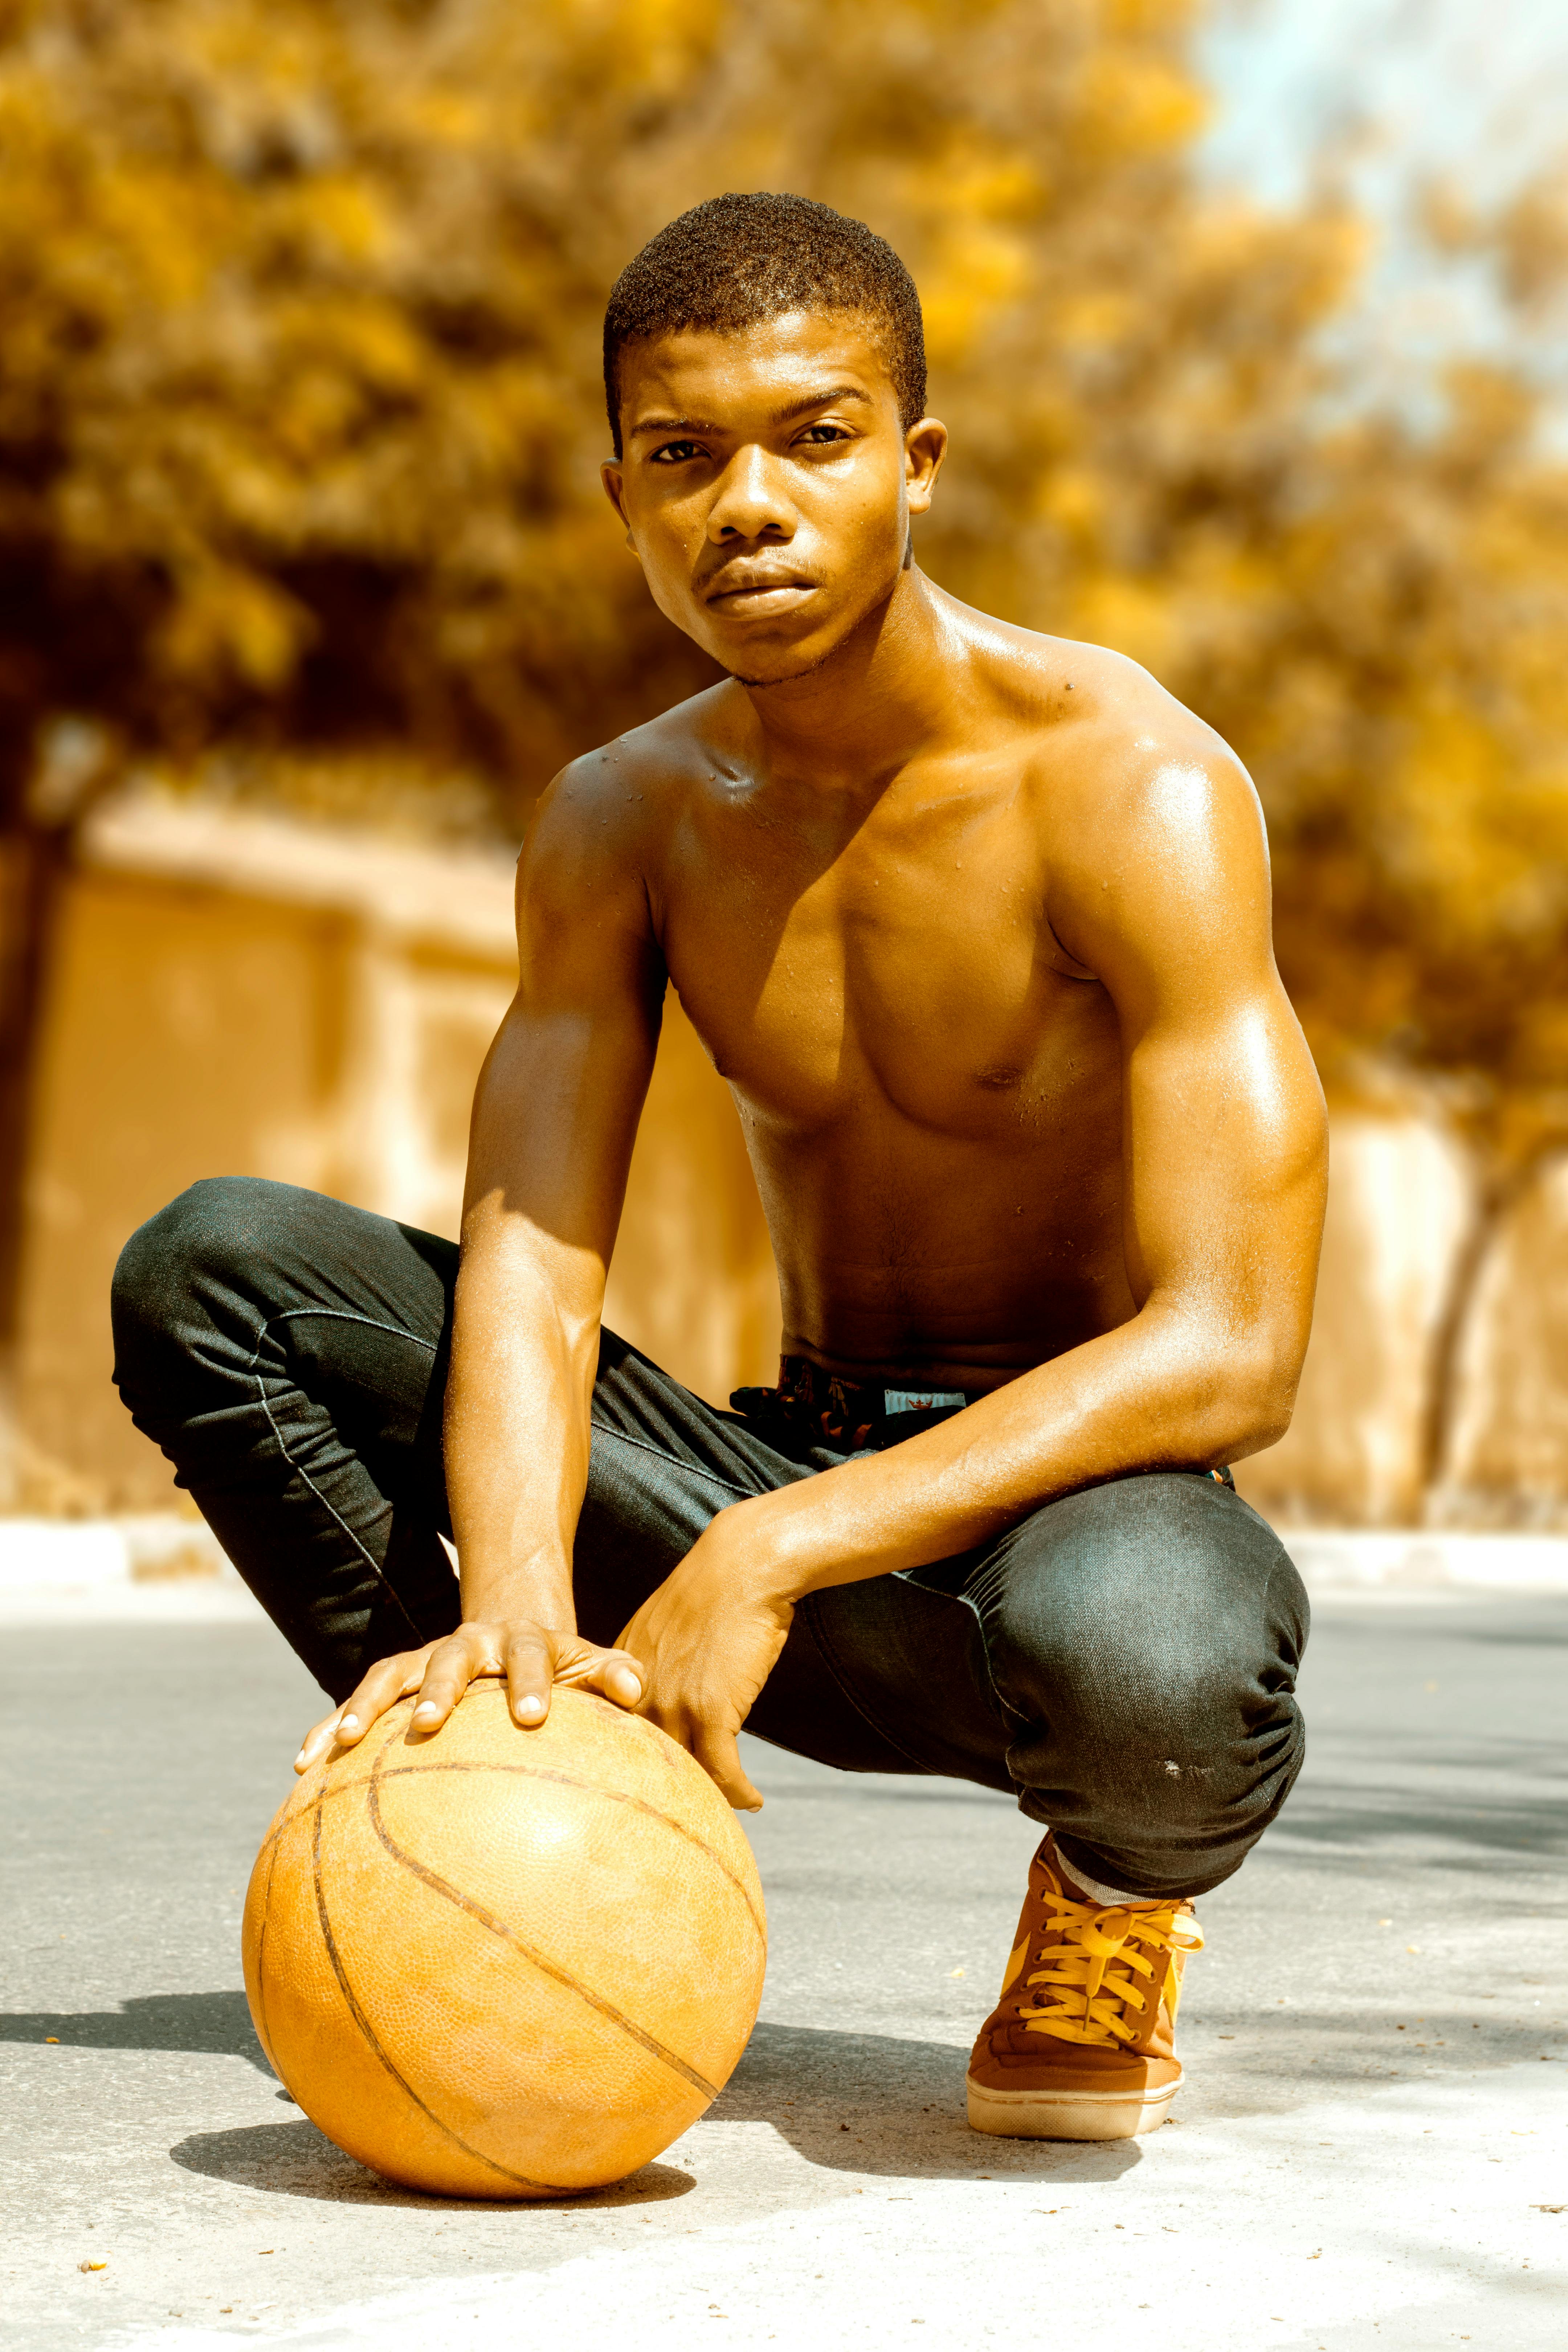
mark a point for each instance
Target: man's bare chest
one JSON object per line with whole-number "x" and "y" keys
{"x": 919, "y": 977}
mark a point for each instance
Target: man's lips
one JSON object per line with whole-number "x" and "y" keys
{"x": 764, "y": 592}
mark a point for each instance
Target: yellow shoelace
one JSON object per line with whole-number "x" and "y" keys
{"x": 1090, "y": 1981}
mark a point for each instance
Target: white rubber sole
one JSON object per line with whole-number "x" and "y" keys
{"x": 1068, "y": 2114}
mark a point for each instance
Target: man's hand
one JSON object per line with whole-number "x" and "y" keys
{"x": 704, "y": 1643}
{"x": 532, "y": 1657}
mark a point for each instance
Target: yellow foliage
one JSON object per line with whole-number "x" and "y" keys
{"x": 1136, "y": 103}
{"x": 300, "y": 418}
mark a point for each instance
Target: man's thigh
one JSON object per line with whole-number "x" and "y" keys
{"x": 875, "y": 1677}
{"x": 662, "y": 1463}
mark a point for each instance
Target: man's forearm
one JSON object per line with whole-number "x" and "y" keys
{"x": 1149, "y": 1395}
{"x": 517, "y": 1431}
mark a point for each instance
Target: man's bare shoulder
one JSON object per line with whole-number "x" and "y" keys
{"x": 599, "y": 833}
{"x": 1138, "y": 774}
{"x": 630, "y": 786}
{"x": 1145, "y": 817}
{"x": 1115, "y": 770}
{"x": 1097, "y": 729}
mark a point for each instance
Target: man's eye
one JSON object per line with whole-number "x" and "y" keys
{"x": 676, "y": 453}
{"x": 823, "y": 433}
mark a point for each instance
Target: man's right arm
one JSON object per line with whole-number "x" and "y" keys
{"x": 555, "y": 1115}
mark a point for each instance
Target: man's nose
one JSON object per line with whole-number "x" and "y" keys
{"x": 751, "y": 500}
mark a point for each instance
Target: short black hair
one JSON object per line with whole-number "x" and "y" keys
{"x": 736, "y": 259}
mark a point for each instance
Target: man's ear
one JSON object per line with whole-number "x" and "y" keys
{"x": 611, "y": 476}
{"x": 925, "y": 446}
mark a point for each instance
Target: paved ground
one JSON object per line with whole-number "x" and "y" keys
{"x": 1370, "y": 2150}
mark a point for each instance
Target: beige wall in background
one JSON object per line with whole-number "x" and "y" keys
{"x": 236, "y": 995}
{"x": 1508, "y": 1461}
{"x": 1399, "y": 1199}
{"x": 186, "y": 1037}
{"x": 203, "y": 1022}
{"x": 1401, "y": 1196}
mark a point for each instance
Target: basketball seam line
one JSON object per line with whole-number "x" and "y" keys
{"x": 362, "y": 2021}
{"x": 595, "y": 1788}
{"x": 542, "y": 1772}
{"x": 261, "y": 2021}
{"x": 440, "y": 1885}
{"x": 616, "y": 1796}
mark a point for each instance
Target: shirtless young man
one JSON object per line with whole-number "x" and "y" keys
{"x": 976, "y": 925}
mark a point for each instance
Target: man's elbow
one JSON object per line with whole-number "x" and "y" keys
{"x": 1254, "y": 1399}
{"x": 1264, "y": 1427}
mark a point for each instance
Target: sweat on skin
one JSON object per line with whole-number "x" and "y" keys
{"x": 975, "y": 923}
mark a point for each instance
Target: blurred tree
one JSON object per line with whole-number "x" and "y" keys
{"x": 300, "y": 413}
{"x": 300, "y": 421}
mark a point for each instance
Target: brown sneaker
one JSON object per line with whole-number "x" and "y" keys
{"x": 1080, "y": 2046}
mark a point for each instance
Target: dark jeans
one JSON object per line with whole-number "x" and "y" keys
{"x": 1122, "y": 1660}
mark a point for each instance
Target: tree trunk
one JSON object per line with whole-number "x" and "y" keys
{"x": 34, "y": 863}
{"x": 1502, "y": 1187}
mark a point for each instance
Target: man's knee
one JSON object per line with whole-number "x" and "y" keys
{"x": 162, "y": 1256}
{"x": 1158, "y": 1611}
{"x": 1146, "y": 1636}
{"x": 202, "y": 1236}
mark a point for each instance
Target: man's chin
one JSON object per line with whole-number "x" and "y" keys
{"x": 784, "y": 677}
{"x": 777, "y": 665}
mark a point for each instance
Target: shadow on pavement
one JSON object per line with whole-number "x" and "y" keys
{"x": 857, "y": 2102}
{"x": 862, "y": 2104}
{"x": 295, "y": 2159}
{"x": 867, "y": 2103}
{"x": 1481, "y": 1797}
{"x": 1547, "y": 1635}
{"x": 215, "y": 2023}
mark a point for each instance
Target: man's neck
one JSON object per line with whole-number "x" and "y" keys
{"x": 892, "y": 689}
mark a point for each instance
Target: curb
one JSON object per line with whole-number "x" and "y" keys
{"x": 1421, "y": 1559}
{"x": 81, "y": 1556}
{"x": 89, "y": 1555}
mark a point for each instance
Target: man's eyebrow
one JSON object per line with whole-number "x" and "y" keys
{"x": 785, "y": 415}
{"x": 673, "y": 424}
{"x": 819, "y": 400}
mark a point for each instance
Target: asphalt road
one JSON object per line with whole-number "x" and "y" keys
{"x": 1372, "y": 2147}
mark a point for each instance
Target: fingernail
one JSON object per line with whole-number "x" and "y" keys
{"x": 530, "y": 1705}
{"x": 348, "y": 1723}
{"x": 429, "y": 1707}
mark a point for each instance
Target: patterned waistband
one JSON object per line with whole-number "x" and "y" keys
{"x": 850, "y": 1414}
{"x": 853, "y": 1415}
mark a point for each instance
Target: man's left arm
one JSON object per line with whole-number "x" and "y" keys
{"x": 1167, "y": 901}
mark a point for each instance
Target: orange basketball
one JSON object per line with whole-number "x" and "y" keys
{"x": 505, "y": 1963}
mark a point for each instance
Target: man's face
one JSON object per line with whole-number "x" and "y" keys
{"x": 767, "y": 485}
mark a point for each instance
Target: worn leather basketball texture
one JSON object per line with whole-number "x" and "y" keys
{"x": 503, "y": 1963}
